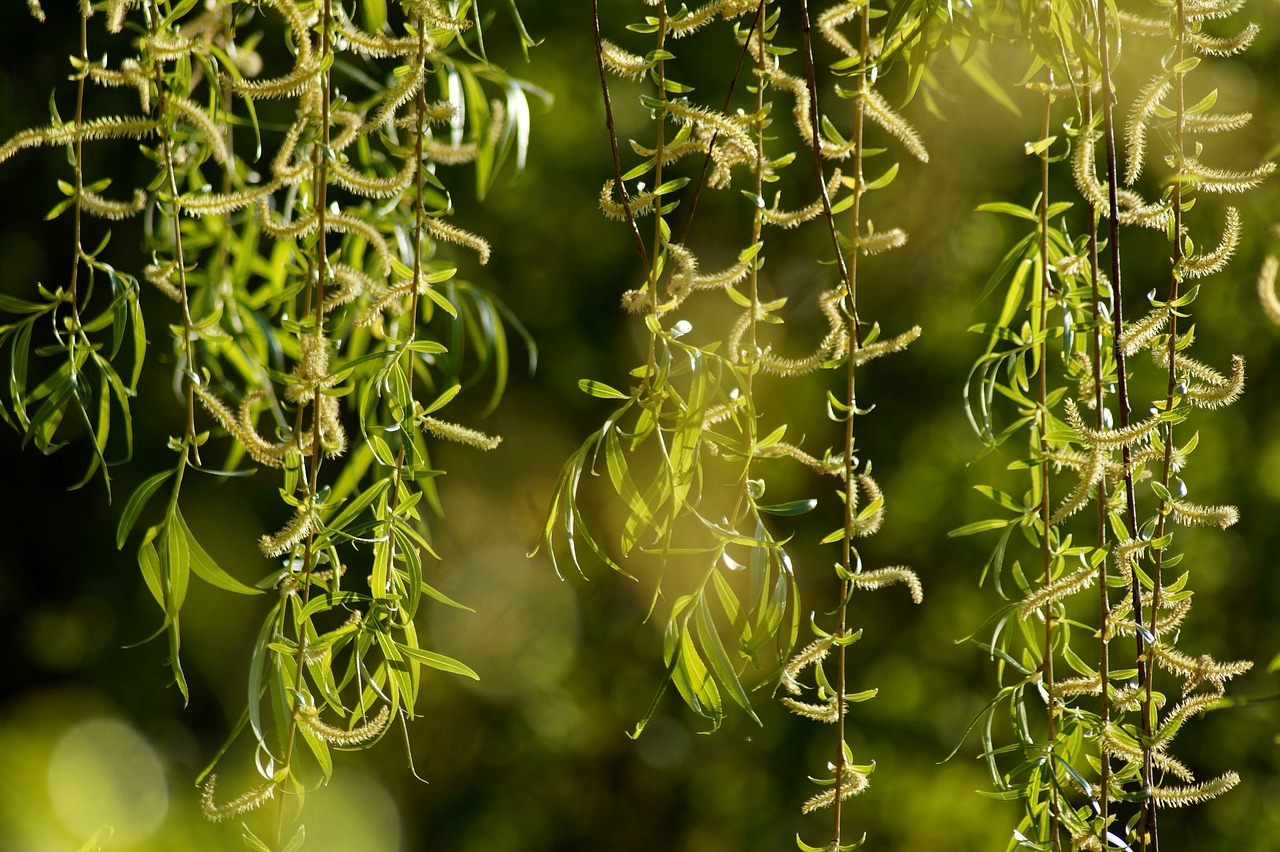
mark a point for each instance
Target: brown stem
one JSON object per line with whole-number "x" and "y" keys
{"x": 613, "y": 142}
{"x": 315, "y": 295}
{"x": 188, "y": 332}
{"x": 76, "y": 250}
{"x": 848, "y": 276}
{"x": 1100, "y": 497}
{"x": 1046, "y": 291}
{"x": 1147, "y": 831}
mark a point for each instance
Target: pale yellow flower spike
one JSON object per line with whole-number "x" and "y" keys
{"x": 1267, "y": 288}
{"x": 1176, "y": 797}
{"x": 1200, "y": 265}
{"x": 1058, "y": 590}
{"x": 852, "y": 784}
{"x": 243, "y": 803}
{"x": 453, "y": 234}
{"x": 717, "y": 122}
{"x": 811, "y": 655}
{"x": 213, "y": 136}
{"x": 622, "y": 63}
{"x": 1135, "y": 129}
{"x": 640, "y": 203}
{"x": 1193, "y": 705}
{"x": 1117, "y": 744}
{"x": 34, "y": 7}
{"x": 341, "y": 736}
{"x": 1227, "y": 180}
{"x": 1198, "y": 670}
{"x": 1216, "y": 123}
{"x": 1091, "y": 474}
{"x": 1109, "y": 439}
{"x": 1200, "y": 10}
{"x": 301, "y": 525}
{"x": 886, "y": 347}
{"x": 105, "y": 208}
{"x": 130, "y": 74}
{"x": 360, "y": 183}
{"x": 830, "y": 19}
{"x": 460, "y": 434}
{"x": 300, "y": 25}
{"x": 1140, "y": 25}
{"x": 344, "y": 224}
{"x": 894, "y": 238}
{"x": 1196, "y": 515}
{"x": 116, "y": 10}
{"x": 376, "y": 45}
{"x": 1215, "y": 394}
{"x": 301, "y": 78}
{"x": 397, "y": 97}
{"x": 167, "y": 46}
{"x": 794, "y": 218}
{"x": 1222, "y": 47}
{"x": 882, "y": 577}
{"x": 879, "y": 111}
{"x": 828, "y": 713}
{"x": 158, "y": 276}
{"x": 1137, "y": 334}
{"x": 115, "y": 127}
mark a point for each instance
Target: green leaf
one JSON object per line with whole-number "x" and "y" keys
{"x": 795, "y": 507}
{"x": 206, "y": 568}
{"x": 149, "y": 562}
{"x": 981, "y": 526}
{"x": 137, "y": 502}
{"x": 600, "y": 390}
{"x": 319, "y": 748}
{"x": 443, "y": 399}
{"x": 1007, "y": 208}
{"x": 175, "y": 562}
{"x": 375, "y": 14}
{"x": 438, "y": 661}
{"x": 693, "y": 681}
{"x": 671, "y": 186}
{"x": 709, "y": 638}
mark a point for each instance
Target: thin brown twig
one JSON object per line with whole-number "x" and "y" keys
{"x": 613, "y": 142}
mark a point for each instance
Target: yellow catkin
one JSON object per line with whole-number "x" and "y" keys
{"x": 882, "y": 577}
{"x": 245, "y": 802}
{"x": 811, "y": 655}
{"x": 852, "y": 784}
{"x": 1267, "y": 288}
{"x": 460, "y": 434}
{"x": 1191, "y": 794}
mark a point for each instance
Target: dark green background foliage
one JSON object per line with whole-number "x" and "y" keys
{"x": 535, "y": 755}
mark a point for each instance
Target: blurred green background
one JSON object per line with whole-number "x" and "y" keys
{"x": 535, "y": 755}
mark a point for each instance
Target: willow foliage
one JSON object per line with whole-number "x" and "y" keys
{"x": 690, "y": 448}
{"x": 1096, "y": 769}
{"x": 298, "y": 219}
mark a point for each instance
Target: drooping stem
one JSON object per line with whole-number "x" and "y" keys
{"x": 315, "y": 293}
{"x": 848, "y": 273}
{"x": 613, "y": 142}
{"x": 1147, "y": 832}
{"x": 179, "y": 259}
{"x": 76, "y": 250}
{"x": 1042, "y": 427}
{"x": 1171, "y": 353}
{"x": 1100, "y": 494}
